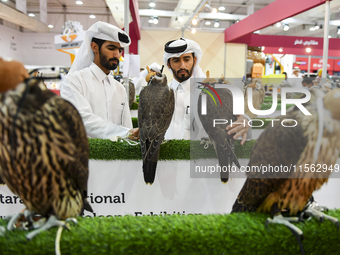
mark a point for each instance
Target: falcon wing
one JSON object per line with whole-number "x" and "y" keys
{"x": 156, "y": 107}
{"x": 222, "y": 141}
{"x": 276, "y": 146}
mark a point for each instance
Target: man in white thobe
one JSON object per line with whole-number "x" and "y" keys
{"x": 182, "y": 57}
{"x": 100, "y": 99}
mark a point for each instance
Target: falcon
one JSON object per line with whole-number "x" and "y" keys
{"x": 218, "y": 108}
{"x": 155, "y": 110}
{"x": 44, "y": 153}
{"x": 258, "y": 94}
{"x": 312, "y": 144}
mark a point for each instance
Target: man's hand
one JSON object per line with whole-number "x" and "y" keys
{"x": 12, "y": 73}
{"x": 240, "y": 127}
{"x": 134, "y": 134}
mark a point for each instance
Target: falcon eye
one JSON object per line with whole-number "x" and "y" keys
{"x": 159, "y": 74}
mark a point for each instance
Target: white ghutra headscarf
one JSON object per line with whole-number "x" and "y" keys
{"x": 103, "y": 31}
{"x": 176, "y": 48}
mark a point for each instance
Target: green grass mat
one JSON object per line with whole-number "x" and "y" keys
{"x": 270, "y": 100}
{"x": 278, "y": 108}
{"x": 134, "y": 122}
{"x": 243, "y": 233}
{"x": 134, "y": 106}
{"x": 104, "y": 149}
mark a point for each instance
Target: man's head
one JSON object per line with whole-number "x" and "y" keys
{"x": 307, "y": 82}
{"x": 106, "y": 54}
{"x": 103, "y": 44}
{"x": 182, "y": 57}
{"x": 182, "y": 67}
{"x": 296, "y": 70}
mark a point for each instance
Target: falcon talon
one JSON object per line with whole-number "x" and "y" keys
{"x": 51, "y": 222}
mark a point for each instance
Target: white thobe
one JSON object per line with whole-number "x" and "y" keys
{"x": 100, "y": 100}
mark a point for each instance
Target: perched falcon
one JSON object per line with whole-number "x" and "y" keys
{"x": 44, "y": 152}
{"x": 155, "y": 109}
{"x": 300, "y": 149}
{"x": 132, "y": 92}
{"x": 258, "y": 94}
{"x": 218, "y": 108}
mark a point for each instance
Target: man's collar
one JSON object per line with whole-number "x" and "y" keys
{"x": 185, "y": 84}
{"x": 100, "y": 75}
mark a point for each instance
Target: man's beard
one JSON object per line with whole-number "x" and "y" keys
{"x": 106, "y": 62}
{"x": 182, "y": 77}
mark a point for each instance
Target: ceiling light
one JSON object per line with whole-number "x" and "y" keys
{"x": 31, "y": 15}
{"x": 280, "y": 50}
{"x": 194, "y": 21}
{"x": 79, "y": 2}
{"x": 92, "y": 16}
{"x": 193, "y": 30}
{"x": 50, "y": 26}
{"x": 312, "y": 29}
{"x": 152, "y": 4}
{"x": 216, "y": 23}
{"x": 180, "y": 19}
{"x": 155, "y": 20}
{"x": 221, "y": 8}
{"x": 308, "y": 50}
{"x": 285, "y": 27}
{"x": 4, "y": 0}
{"x": 150, "y": 20}
{"x": 329, "y": 36}
{"x": 207, "y": 23}
{"x": 278, "y": 24}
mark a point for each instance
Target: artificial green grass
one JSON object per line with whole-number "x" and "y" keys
{"x": 134, "y": 106}
{"x": 278, "y": 108}
{"x": 270, "y": 100}
{"x": 134, "y": 122}
{"x": 104, "y": 149}
{"x": 242, "y": 233}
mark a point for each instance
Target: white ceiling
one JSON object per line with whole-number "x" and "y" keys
{"x": 173, "y": 14}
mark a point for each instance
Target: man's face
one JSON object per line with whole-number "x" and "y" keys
{"x": 109, "y": 55}
{"x": 182, "y": 67}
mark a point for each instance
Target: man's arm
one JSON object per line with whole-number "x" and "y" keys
{"x": 96, "y": 127}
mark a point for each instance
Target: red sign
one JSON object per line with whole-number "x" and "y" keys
{"x": 279, "y": 44}
{"x": 316, "y": 64}
{"x": 337, "y": 65}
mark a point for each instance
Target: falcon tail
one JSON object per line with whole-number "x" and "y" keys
{"x": 239, "y": 207}
{"x": 150, "y": 159}
{"x": 87, "y": 206}
{"x": 149, "y": 170}
{"x": 226, "y": 158}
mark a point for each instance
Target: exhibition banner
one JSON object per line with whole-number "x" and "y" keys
{"x": 21, "y": 5}
{"x": 43, "y": 11}
{"x": 117, "y": 188}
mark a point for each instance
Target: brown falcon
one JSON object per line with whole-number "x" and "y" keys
{"x": 223, "y": 109}
{"x": 312, "y": 144}
{"x": 155, "y": 110}
{"x": 44, "y": 152}
{"x": 257, "y": 95}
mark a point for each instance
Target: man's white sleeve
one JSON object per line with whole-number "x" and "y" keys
{"x": 96, "y": 127}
